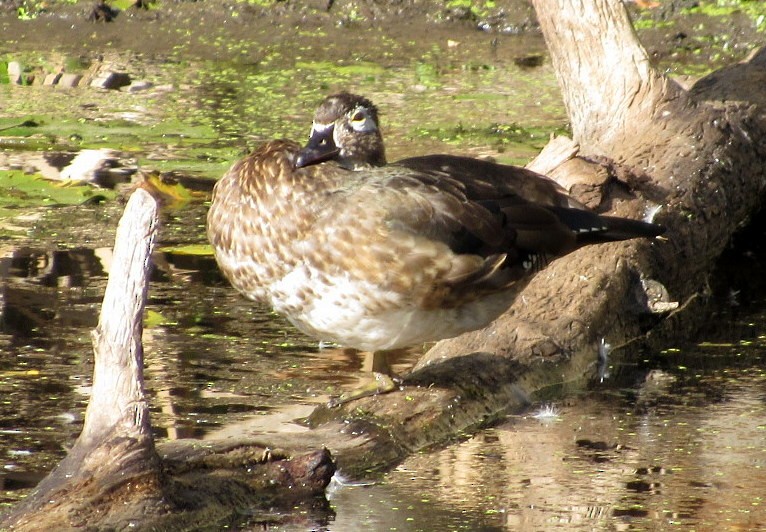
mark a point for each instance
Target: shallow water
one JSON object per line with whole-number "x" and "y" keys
{"x": 677, "y": 439}
{"x": 665, "y": 456}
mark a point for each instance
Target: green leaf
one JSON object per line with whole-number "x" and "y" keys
{"x": 200, "y": 250}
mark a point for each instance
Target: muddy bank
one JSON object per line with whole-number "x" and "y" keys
{"x": 206, "y": 29}
{"x": 679, "y": 31}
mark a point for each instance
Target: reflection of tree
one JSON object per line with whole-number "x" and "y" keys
{"x": 47, "y": 291}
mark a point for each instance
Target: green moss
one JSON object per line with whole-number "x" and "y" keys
{"x": 754, "y": 9}
{"x": 651, "y": 23}
{"x": 21, "y": 193}
{"x": 475, "y": 8}
{"x": 153, "y": 319}
{"x": 427, "y": 74}
{"x": 220, "y": 109}
{"x": 198, "y": 250}
{"x": 122, "y": 5}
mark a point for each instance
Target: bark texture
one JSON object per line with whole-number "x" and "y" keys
{"x": 606, "y": 77}
{"x": 642, "y": 146}
{"x": 115, "y": 445}
{"x": 113, "y": 478}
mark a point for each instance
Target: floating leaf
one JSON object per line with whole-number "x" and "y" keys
{"x": 171, "y": 188}
{"x": 197, "y": 250}
{"x": 155, "y": 319}
{"x": 20, "y": 373}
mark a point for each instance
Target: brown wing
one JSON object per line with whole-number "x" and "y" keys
{"x": 540, "y": 214}
{"x": 484, "y": 180}
{"x": 417, "y": 232}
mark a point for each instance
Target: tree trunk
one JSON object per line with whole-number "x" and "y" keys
{"x": 607, "y": 80}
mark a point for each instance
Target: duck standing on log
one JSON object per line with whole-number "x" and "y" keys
{"x": 379, "y": 256}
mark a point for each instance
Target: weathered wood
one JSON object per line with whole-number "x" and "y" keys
{"x": 112, "y": 478}
{"x": 698, "y": 164}
{"x": 115, "y": 445}
{"x": 117, "y": 397}
{"x": 606, "y": 76}
{"x": 693, "y": 161}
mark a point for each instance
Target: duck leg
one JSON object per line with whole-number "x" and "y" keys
{"x": 383, "y": 381}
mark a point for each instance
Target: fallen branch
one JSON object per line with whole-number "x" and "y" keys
{"x": 642, "y": 146}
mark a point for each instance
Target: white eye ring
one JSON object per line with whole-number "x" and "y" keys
{"x": 361, "y": 121}
{"x": 320, "y": 128}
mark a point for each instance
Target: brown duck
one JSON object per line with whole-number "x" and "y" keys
{"x": 381, "y": 256}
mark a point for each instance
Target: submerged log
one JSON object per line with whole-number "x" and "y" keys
{"x": 113, "y": 478}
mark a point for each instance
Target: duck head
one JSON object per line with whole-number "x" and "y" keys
{"x": 345, "y": 130}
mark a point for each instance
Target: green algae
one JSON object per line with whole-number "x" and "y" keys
{"x": 456, "y": 94}
{"x": 22, "y": 195}
{"x": 755, "y": 10}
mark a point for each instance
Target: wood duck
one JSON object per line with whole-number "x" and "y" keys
{"x": 381, "y": 256}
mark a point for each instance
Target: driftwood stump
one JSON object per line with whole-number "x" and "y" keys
{"x": 113, "y": 478}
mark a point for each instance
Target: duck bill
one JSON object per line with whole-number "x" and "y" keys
{"x": 320, "y": 147}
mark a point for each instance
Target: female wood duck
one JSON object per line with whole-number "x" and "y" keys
{"x": 381, "y": 256}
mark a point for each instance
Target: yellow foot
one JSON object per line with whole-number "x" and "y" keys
{"x": 382, "y": 383}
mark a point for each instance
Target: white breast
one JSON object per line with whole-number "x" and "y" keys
{"x": 357, "y": 314}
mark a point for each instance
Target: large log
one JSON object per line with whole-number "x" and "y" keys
{"x": 642, "y": 145}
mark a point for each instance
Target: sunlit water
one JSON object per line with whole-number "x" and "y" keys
{"x": 676, "y": 440}
{"x": 632, "y": 459}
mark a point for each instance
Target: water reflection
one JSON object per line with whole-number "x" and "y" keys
{"x": 603, "y": 464}
{"x": 103, "y": 167}
{"x": 677, "y": 440}
{"x": 45, "y": 290}
{"x": 211, "y": 357}
{"x": 196, "y": 377}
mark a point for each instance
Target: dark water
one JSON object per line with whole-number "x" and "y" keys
{"x": 675, "y": 440}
